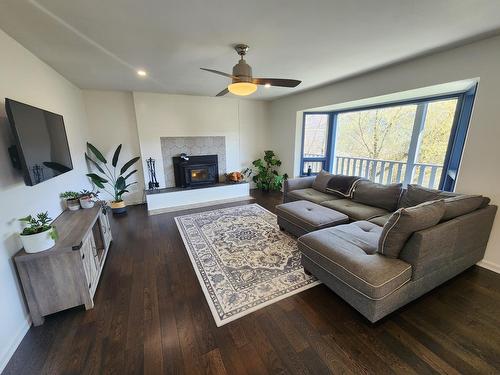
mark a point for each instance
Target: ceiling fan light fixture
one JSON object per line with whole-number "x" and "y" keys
{"x": 242, "y": 88}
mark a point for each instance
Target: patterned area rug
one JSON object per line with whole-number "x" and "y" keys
{"x": 242, "y": 260}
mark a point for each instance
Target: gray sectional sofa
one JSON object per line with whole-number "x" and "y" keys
{"x": 383, "y": 246}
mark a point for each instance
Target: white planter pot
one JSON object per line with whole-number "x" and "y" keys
{"x": 86, "y": 203}
{"x": 73, "y": 204}
{"x": 35, "y": 243}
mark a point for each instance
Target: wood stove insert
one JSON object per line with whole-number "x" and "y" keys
{"x": 193, "y": 171}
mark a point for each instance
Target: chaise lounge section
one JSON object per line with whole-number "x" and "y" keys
{"x": 388, "y": 256}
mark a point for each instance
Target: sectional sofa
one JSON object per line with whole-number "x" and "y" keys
{"x": 383, "y": 246}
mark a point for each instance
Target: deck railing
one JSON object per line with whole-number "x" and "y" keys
{"x": 389, "y": 171}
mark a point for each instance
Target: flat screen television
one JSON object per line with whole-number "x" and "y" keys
{"x": 41, "y": 149}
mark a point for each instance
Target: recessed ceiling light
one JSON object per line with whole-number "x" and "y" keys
{"x": 267, "y": 85}
{"x": 142, "y": 73}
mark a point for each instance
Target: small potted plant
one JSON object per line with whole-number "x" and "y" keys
{"x": 72, "y": 199}
{"x": 87, "y": 198}
{"x": 115, "y": 178}
{"x": 38, "y": 234}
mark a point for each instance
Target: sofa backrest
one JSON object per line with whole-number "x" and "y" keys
{"x": 378, "y": 195}
{"x": 459, "y": 242}
{"x": 457, "y": 204}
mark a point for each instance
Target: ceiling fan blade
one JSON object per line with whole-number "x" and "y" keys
{"x": 219, "y": 73}
{"x": 277, "y": 82}
{"x": 223, "y": 92}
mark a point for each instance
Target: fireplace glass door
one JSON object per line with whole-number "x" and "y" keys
{"x": 199, "y": 175}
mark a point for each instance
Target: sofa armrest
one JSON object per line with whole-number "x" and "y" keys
{"x": 297, "y": 184}
{"x": 463, "y": 237}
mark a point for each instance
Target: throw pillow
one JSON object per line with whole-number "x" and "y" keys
{"x": 378, "y": 195}
{"x": 404, "y": 222}
{"x": 321, "y": 181}
{"x": 416, "y": 194}
{"x": 342, "y": 186}
{"x": 461, "y": 205}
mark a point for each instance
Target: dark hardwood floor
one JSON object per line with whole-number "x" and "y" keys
{"x": 151, "y": 317}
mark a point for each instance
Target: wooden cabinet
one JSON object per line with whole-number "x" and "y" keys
{"x": 68, "y": 274}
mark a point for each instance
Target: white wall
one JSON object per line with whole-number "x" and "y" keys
{"x": 244, "y": 123}
{"x": 111, "y": 118}
{"x": 25, "y": 78}
{"x": 480, "y": 171}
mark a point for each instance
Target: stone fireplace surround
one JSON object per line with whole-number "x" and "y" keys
{"x": 192, "y": 146}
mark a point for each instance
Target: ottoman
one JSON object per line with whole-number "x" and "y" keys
{"x": 301, "y": 217}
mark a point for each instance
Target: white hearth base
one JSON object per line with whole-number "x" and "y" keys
{"x": 168, "y": 200}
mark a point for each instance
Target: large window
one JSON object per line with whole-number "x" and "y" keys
{"x": 316, "y": 144}
{"x": 411, "y": 142}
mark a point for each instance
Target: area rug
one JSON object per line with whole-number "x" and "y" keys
{"x": 242, "y": 260}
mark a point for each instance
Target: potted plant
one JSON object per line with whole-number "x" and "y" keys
{"x": 38, "y": 234}
{"x": 87, "y": 198}
{"x": 72, "y": 200}
{"x": 266, "y": 176}
{"x": 114, "y": 178}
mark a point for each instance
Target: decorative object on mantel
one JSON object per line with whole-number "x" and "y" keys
{"x": 116, "y": 180}
{"x": 38, "y": 234}
{"x": 234, "y": 177}
{"x": 72, "y": 200}
{"x": 153, "y": 182}
{"x": 87, "y": 198}
{"x": 267, "y": 177}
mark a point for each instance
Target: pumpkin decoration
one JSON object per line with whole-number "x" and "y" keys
{"x": 234, "y": 177}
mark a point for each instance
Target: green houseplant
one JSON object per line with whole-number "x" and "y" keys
{"x": 87, "y": 198}
{"x": 114, "y": 178}
{"x": 72, "y": 200}
{"x": 267, "y": 177}
{"x": 38, "y": 233}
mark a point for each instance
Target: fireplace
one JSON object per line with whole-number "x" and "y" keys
{"x": 192, "y": 171}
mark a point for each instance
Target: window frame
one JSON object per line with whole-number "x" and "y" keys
{"x": 456, "y": 143}
{"x": 330, "y": 145}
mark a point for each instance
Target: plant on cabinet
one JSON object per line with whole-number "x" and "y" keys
{"x": 72, "y": 200}
{"x": 114, "y": 178}
{"x": 87, "y": 198}
{"x": 38, "y": 234}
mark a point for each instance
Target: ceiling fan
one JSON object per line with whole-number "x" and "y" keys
{"x": 242, "y": 81}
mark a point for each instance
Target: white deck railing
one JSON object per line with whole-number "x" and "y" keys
{"x": 389, "y": 171}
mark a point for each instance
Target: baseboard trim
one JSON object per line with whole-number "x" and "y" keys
{"x": 11, "y": 348}
{"x": 489, "y": 266}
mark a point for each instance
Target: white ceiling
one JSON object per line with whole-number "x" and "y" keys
{"x": 99, "y": 44}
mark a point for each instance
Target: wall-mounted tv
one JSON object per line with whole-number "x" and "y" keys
{"x": 41, "y": 149}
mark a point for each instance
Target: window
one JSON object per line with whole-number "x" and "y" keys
{"x": 316, "y": 145}
{"x": 411, "y": 142}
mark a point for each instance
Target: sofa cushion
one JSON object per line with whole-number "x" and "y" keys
{"x": 416, "y": 194}
{"x": 321, "y": 181}
{"x": 461, "y": 205}
{"x": 355, "y": 211}
{"x": 342, "y": 186}
{"x": 404, "y": 222}
{"x": 381, "y": 220}
{"x": 309, "y": 216}
{"x": 348, "y": 254}
{"x": 378, "y": 195}
{"x": 309, "y": 194}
